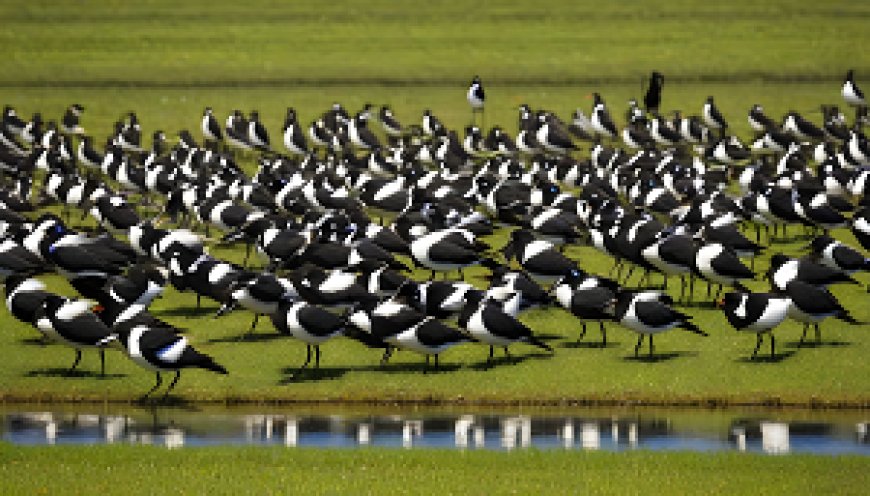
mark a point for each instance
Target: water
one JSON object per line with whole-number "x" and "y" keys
{"x": 773, "y": 432}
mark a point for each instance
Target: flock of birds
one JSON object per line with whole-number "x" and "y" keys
{"x": 655, "y": 195}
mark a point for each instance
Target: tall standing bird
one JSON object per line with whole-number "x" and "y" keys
{"x": 853, "y": 94}
{"x": 712, "y": 117}
{"x": 647, "y": 314}
{"x": 308, "y": 323}
{"x": 653, "y": 97}
{"x": 72, "y": 323}
{"x": 602, "y": 123}
{"x": 294, "y": 138}
{"x": 257, "y": 134}
{"x": 211, "y": 129}
{"x": 476, "y": 97}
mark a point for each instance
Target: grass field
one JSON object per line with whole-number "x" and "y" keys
{"x": 143, "y": 470}
{"x": 168, "y": 61}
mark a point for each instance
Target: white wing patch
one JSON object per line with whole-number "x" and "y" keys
{"x": 172, "y": 353}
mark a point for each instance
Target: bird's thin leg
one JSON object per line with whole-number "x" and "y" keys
{"x": 388, "y": 352}
{"x": 254, "y": 323}
{"x": 102, "y": 362}
{"x": 637, "y": 346}
{"x": 426, "y": 367}
{"x": 757, "y": 346}
{"x": 172, "y": 384}
{"x": 76, "y": 362}
{"x": 491, "y": 356}
{"x": 650, "y": 345}
{"x": 317, "y": 356}
{"x": 307, "y": 361}
{"x": 247, "y": 255}
{"x": 582, "y": 333}
{"x": 159, "y": 382}
{"x": 804, "y": 335}
{"x": 436, "y": 361}
{"x": 507, "y": 353}
{"x": 772, "y": 341}
{"x": 818, "y": 333}
{"x": 603, "y": 333}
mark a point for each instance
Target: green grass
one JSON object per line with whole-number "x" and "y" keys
{"x": 168, "y": 61}
{"x": 148, "y": 470}
{"x": 261, "y": 42}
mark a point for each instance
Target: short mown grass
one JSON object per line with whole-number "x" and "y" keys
{"x": 124, "y": 56}
{"x": 151, "y": 470}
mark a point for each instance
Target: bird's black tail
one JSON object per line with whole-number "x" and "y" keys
{"x": 847, "y": 317}
{"x": 690, "y": 326}
{"x": 208, "y": 363}
{"x": 534, "y": 341}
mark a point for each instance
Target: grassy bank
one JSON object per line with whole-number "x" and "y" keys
{"x": 144, "y": 470}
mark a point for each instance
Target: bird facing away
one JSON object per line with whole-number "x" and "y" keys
{"x": 653, "y": 97}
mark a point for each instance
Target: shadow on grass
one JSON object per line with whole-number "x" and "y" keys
{"x": 35, "y": 342}
{"x": 293, "y": 375}
{"x": 820, "y": 344}
{"x": 659, "y": 357}
{"x": 188, "y": 312}
{"x": 508, "y": 360}
{"x": 590, "y": 344}
{"x": 767, "y": 358}
{"x": 247, "y": 337}
{"x": 78, "y": 373}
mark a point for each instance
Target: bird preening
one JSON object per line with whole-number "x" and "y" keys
{"x": 401, "y": 234}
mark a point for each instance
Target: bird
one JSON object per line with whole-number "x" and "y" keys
{"x": 758, "y": 121}
{"x": 73, "y": 323}
{"x": 294, "y": 138}
{"x": 446, "y": 250}
{"x": 836, "y": 255}
{"x": 720, "y": 265}
{"x": 756, "y": 312}
{"x": 261, "y": 295}
{"x": 70, "y": 121}
{"x": 851, "y": 92}
{"x": 308, "y": 323}
{"x": 653, "y": 97}
{"x": 257, "y": 134}
{"x": 587, "y": 303}
{"x": 430, "y": 337}
{"x": 391, "y": 125}
{"x": 784, "y": 270}
{"x": 476, "y": 98}
{"x": 712, "y": 117}
{"x": 810, "y": 305}
{"x": 211, "y": 129}
{"x": 539, "y": 258}
{"x": 601, "y": 121}
{"x": 24, "y": 296}
{"x": 162, "y": 350}
{"x": 860, "y": 227}
{"x": 485, "y": 321}
{"x": 434, "y": 298}
{"x": 647, "y": 314}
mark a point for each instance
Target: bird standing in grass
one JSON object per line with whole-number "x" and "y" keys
{"x": 653, "y": 97}
{"x": 854, "y": 96}
{"x": 476, "y": 98}
{"x": 648, "y": 313}
{"x": 756, "y": 312}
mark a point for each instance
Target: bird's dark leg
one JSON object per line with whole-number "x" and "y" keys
{"x": 461, "y": 276}
{"x": 172, "y": 384}
{"x": 254, "y": 323}
{"x": 432, "y": 277}
{"x": 682, "y": 287}
{"x": 582, "y": 333}
{"x": 307, "y": 360}
{"x": 491, "y": 355}
{"x": 818, "y": 333}
{"x": 804, "y": 335}
{"x": 650, "y": 345}
{"x": 691, "y": 295}
{"x": 426, "y": 367}
{"x": 317, "y": 356}
{"x": 603, "y": 333}
{"x": 76, "y": 362}
{"x": 247, "y": 255}
{"x": 198, "y": 302}
{"x": 388, "y": 352}
{"x": 102, "y": 362}
{"x": 637, "y": 346}
{"x": 436, "y": 361}
{"x": 507, "y": 353}
{"x": 159, "y": 382}
{"x": 772, "y": 341}
{"x": 708, "y": 289}
{"x": 757, "y": 346}
{"x": 665, "y": 282}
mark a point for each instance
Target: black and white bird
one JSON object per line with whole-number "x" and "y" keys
{"x": 601, "y": 121}
{"x": 851, "y": 92}
{"x": 261, "y": 295}
{"x": 211, "y": 129}
{"x": 392, "y": 126}
{"x": 435, "y": 298}
{"x": 70, "y": 123}
{"x": 476, "y": 98}
{"x": 24, "y": 296}
{"x": 163, "y": 350}
{"x": 429, "y": 337}
{"x": 861, "y": 227}
{"x": 587, "y": 304}
{"x": 257, "y": 134}
{"x": 756, "y": 312}
{"x": 712, "y": 117}
{"x": 810, "y": 305}
{"x": 784, "y": 270}
{"x": 308, "y": 323}
{"x": 73, "y": 323}
{"x": 294, "y": 138}
{"x": 486, "y": 321}
{"x": 539, "y": 258}
{"x": 503, "y": 281}
{"x": 446, "y": 250}
{"x": 720, "y": 265}
{"x": 647, "y": 314}
{"x": 758, "y": 121}
{"x": 836, "y": 255}
{"x": 552, "y": 137}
